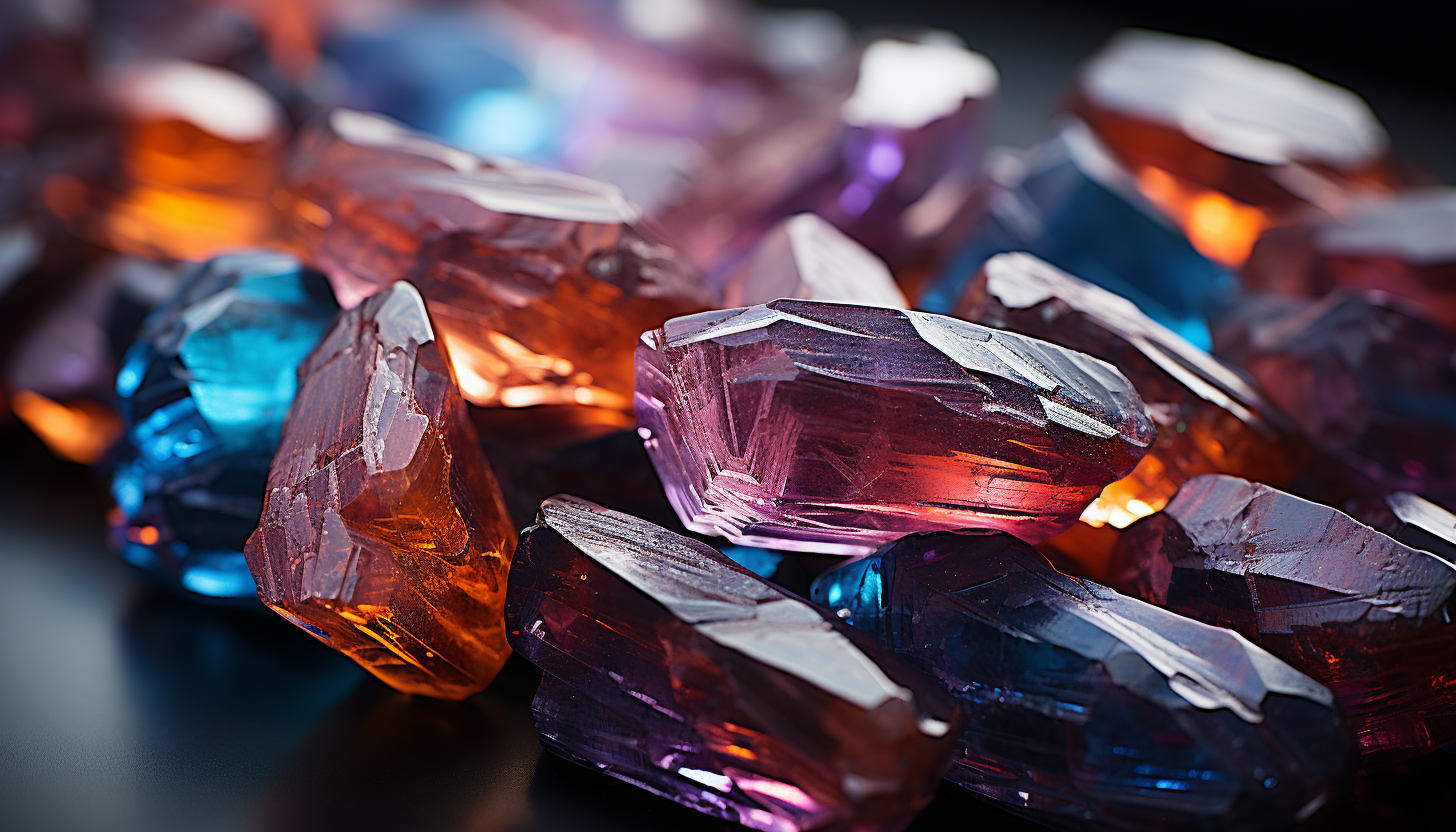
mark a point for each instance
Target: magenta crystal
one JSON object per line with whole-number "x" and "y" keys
{"x": 835, "y": 428}
{"x": 1365, "y": 615}
{"x": 672, "y": 668}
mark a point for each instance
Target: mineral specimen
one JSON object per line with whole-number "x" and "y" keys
{"x": 1420, "y": 524}
{"x": 1368, "y": 379}
{"x": 1225, "y": 143}
{"x": 674, "y": 669}
{"x": 539, "y": 281}
{"x": 806, "y": 257}
{"x": 1070, "y": 203}
{"x": 1087, "y": 705}
{"x": 1402, "y": 244}
{"x": 1361, "y": 613}
{"x": 1210, "y": 419}
{"x": 384, "y": 533}
{"x": 836, "y": 428}
{"x": 204, "y": 391}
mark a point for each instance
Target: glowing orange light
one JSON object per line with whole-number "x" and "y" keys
{"x": 81, "y": 432}
{"x": 1220, "y": 228}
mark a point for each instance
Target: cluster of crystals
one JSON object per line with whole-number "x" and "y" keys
{"x": 204, "y": 392}
{"x": 1165, "y": 722}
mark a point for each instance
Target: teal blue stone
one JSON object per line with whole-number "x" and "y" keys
{"x": 1073, "y": 207}
{"x": 204, "y": 391}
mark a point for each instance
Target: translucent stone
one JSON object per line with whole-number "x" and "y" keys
{"x": 806, "y": 257}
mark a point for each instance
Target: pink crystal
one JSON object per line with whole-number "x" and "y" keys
{"x": 806, "y": 257}
{"x": 836, "y": 428}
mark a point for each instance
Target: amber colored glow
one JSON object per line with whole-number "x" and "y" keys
{"x": 81, "y": 432}
{"x": 1219, "y": 228}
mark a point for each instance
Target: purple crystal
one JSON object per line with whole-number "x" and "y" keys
{"x": 674, "y": 669}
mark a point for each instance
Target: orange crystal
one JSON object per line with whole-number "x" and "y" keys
{"x": 541, "y": 282}
{"x": 384, "y": 533}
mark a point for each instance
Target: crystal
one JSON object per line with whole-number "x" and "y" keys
{"x": 1087, "y": 705}
{"x": 1363, "y": 614}
{"x": 863, "y": 148}
{"x": 1410, "y": 519}
{"x": 672, "y": 668}
{"x": 539, "y": 281}
{"x": 806, "y": 257}
{"x": 1210, "y": 418}
{"x": 1070, "y": 203}
{"x": 383, "y": 531}
{"x": 835, "y": 428}
{"x": 1369, "y": 380}
{"x": 1224, "y": 143}
{"x": 204, "y": 390}
{"x": 1401, "y": 244}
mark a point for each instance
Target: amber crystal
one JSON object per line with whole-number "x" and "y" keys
{"x": 1210, "y": 418}
{"x": 539, "y": 281}
{"x": 1365, "y": 615}
{"x": 384, "y": 533}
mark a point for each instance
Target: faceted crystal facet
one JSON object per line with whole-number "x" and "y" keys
{"x": 1419, "y": 523}
{"x": 1225, "y": 143}
{"x": 836, "y": 428}
{"x": 1086, "y": 705}
{"x": 384, "y": 533}
{"x": 1209, "y": 417}
{"x": 204, "y": 391}
{"x": 1402, "y": 244}
{"x": 1370, "y": 381}
{"x": 539, "y": 281}
{"x": 1367, "y": 616}
{"x": 1070, "y": 203}
{"x": 672, "y": 668}
{"x": 806, "y": 257}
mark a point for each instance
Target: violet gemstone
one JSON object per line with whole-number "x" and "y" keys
{"x": 806, "y": 257}
{"x": 834, "y": 428}
{"x": 1362, "y": 613}
{"x": 674, "y": 669}
{"x": 1087, "y": 705}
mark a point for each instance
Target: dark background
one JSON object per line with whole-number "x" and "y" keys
{"x": 123, "y": 707}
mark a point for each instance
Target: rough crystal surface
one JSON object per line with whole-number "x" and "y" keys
{"x": 674, "y": 669}
{"x": 836, "y": 428}
{"x": 806, "y": 257}
{"x": 1070, "y": 203}
{"x": 1086, "y": 705}
{"x": 204, "y": 391}
{"x": 1419, "y": 523}
{"x": 1210, "y": 418}
{"x": 1367, "y": 616}
{"x": 539, "y": 281}
{"x": 1369, "y": 380}
{"x": 383, "y": 532}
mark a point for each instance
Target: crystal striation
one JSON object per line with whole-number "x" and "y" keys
{"x": 806, "y": 257}
{"x": 539, "y": 281}
{"x": 204, "y": 391}
{"x": 836, "y": 428}
{"x": 1369, "y": 380}
{"x": 1086, "y": 705}
{"x": 1365, "y": 615}
{"x": 384, "y": 533}
{"x": 674, "y": 669}
{"x": 1070, "y": 203}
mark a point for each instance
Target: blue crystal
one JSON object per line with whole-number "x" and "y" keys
{"x": 761, "y": 562}
{"x": 1069, "y": 203}
{"x": 204, "y": 391}
{"x": 1088, "y": 705}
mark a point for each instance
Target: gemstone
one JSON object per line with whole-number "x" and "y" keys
{"x": 863, "y": 148}
{"x": 1210, "y": 419}
{"x": 672, "y": 668}
{"x": 1369, "y": 380}
{"x": 1070, "y": 203}
{"x": 835, "y": 428}
{"x": 807, "y": 257}
{"x": 383, "y": 531}
{"x": 1410, "y": 519}
{"x": 204, "y": 390}
{"x": 1224, "y": 143}
{"x": 1086, "y": 705}
{"x": 1401, "y": 244}
{"x": 540, "y": 282}
{"x": 1363, "y": 614}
